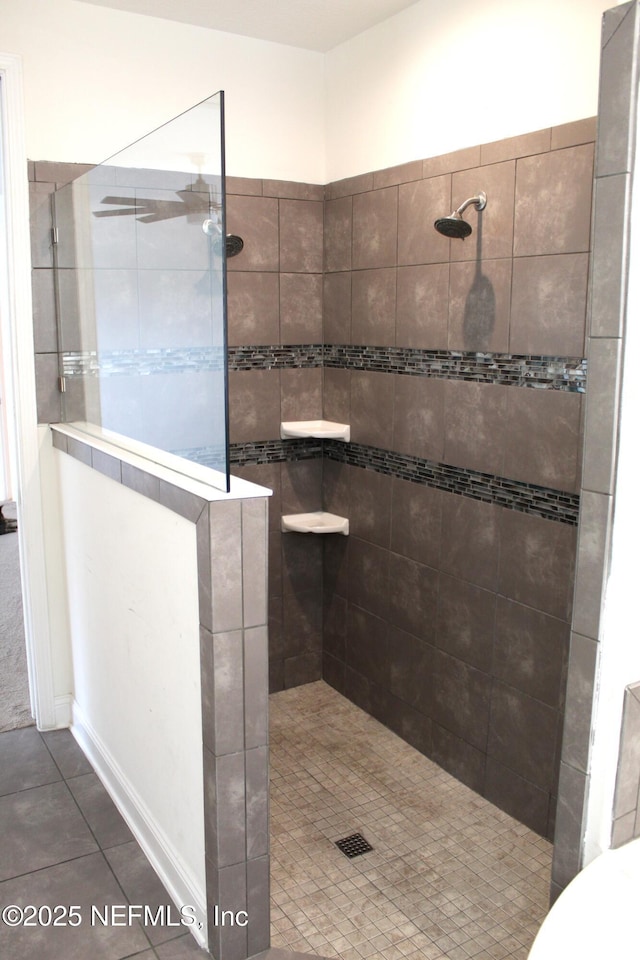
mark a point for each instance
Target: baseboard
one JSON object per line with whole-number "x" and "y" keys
{"x": 164, "y": 859}
{"x": 63, "y": 707}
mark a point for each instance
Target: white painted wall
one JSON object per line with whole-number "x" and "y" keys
{"x": 96, "y": 79}
{"x": 445, "y": 75}
{"x": 133, "y": 610}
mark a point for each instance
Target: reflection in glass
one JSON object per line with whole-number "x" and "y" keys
{"x": 140, "y": 277}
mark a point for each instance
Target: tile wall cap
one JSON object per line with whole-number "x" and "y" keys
{"x": 193, "y": 479}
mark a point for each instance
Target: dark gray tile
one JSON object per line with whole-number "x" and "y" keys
{"x": 338, "y": 231}
{"x": 492, "y": 236}
{"x": 254, "y": 405}
{"x": 367, "y": 645}
{"x": 628, "y": 773}
{"x": 596, "y": 516}
{"x": 531, "y": 651}
{"x": 253, "y": 308}
{"x": 66, "y": 753}
{"x": 553, "y": 202}
{"x": 301, "y": 307}
{"x": 422, "y": 306}
{"x": 369, "y": 509}
{"x": 24, "y": 761}
{"x": 570, "y": 134}
{"x": 372, "y": 408}
{"x": 479, "y": 305}
{"x": 418, "y": 416}
{"x": 459, "y": 758}
{"x": 579, "y": 701}
{"x": 141, "y": 885}
{"x": 361, "y": 183}
{"x": 517, "y": 796}
{"x": 302, "y": 619}
{"x": 255, "y": 532}
{"x": 86, "y": 882}
{"x": 450, "y": 162}
{"x": 48, "y": 396}
{"x": 99, "y": 810}
{"x": 536, "y": 562}
{"x": 548, "y": 305}
{"x": 462, "y": 699}
{"x": 257, "y": 801}
{"x": 41, "y": 224}
{"x": 414, "y": 727}
{"x": 538, "y": 141}
{"x": 301, "y": 486}
{"x": 40, "y": 827}
{"x": 106, "y": 464}
{"x": 419, "y": 204}
{"x": 474, "y": 434}
{"x": 301, "y": 236}
{"x": 375, "y": 228}
{"x": 416, "y": 521}
{"x": 255, "y": 219}
{"x": 470, "y": 540}
{"x": 522, "y": 735}
{"x": 336, "y": 395}
{"x": 258, "y": 905}
{"x": 402, "y": 173}
{"x": 256, "y": 682}
{"x": 413, "y": 596}
{"x": 610, "y": 258}
{"x": 410, "y": 670}
{"x": 45, "y": 337}
{"x": 369, "y": 577}
{"x": 466, "y": 622}
{"x": 337, "y": 309}
{"x": 542, "y": 441}
{"x": 617, "y": 93}
{"x": 373, "y": 307}
{"x": 301, "y": 394}
{"x": 292, "y": 190}
{"x": 304, "y": 668}
{"x": 601, "y": 415}
{"x": 567, "y": 850}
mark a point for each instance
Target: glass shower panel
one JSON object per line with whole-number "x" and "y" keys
{"x": 140, "y": 256}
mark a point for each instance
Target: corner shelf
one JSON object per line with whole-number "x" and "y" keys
{"x": 322, "y": 429}
{"x": 316, "y": 522}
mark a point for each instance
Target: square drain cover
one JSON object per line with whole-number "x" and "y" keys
{"x": 354, "y": 845}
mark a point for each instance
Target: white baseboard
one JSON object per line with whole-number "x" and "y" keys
{"x": 63, "y": 707}
{"x": 182, "y": 888}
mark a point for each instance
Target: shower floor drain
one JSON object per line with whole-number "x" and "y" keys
{"x": 353, "y": 846}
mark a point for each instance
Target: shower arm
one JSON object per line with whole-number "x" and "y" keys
{"x": 480, "y": 202}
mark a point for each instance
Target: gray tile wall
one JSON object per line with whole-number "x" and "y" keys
{"x": 606, "y": 323}
{"x": 445, "y": 617}
{"x": 626, "y": 804}
{"x": 275, "y": 298}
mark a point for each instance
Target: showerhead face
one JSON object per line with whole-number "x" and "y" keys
{"x": 233, "y": 245}
{"x": 453, "y": 226}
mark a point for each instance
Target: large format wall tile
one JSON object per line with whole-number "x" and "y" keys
{"x": 553, "y": 202}
{"x": 375, "y": 228}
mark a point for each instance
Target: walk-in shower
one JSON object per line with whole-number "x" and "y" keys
{"x": 454, "y": 226}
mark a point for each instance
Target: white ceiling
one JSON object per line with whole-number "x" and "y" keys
{"x": 312, "y": 24}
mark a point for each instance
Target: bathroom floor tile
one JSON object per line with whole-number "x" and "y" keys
{"x": 24, "y": 761}
{"x": 66, "y": 753}
{"x": 142, "y": 885}
{"x": 85, "y": 882}
{"x": 41, "y": 827}
{"x": 99, "y": 810}
{"x": 450, "y": 876}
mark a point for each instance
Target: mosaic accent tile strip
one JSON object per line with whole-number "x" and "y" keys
{"x": 113, "y": 363}
{"x": 274, "y": 451}
{"x": 513, "y": 494}
{"x": 549, "y": 373}
{"x": 540, "y": 372}
{"x": 276, "y": 357}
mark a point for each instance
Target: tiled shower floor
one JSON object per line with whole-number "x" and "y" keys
{"x": 450, "y": 875}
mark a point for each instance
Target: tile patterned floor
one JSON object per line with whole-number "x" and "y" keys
{"x": 450, "y": 877}
{"x": 62, "y": 841}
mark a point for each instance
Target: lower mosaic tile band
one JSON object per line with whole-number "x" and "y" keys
{"x": 513, "y": 494}
{"x": 546, "y": 373}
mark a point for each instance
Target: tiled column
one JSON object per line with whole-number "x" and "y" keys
{"x": 232, "y": 549}
{"x": 607, "y": 309}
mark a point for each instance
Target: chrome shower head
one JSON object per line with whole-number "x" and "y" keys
{"x": 453, "y": 225}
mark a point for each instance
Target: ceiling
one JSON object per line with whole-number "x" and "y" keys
{"x": 312, "y": 24}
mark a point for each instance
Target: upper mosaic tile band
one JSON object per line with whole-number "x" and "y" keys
{"x": 549, "y": 373}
